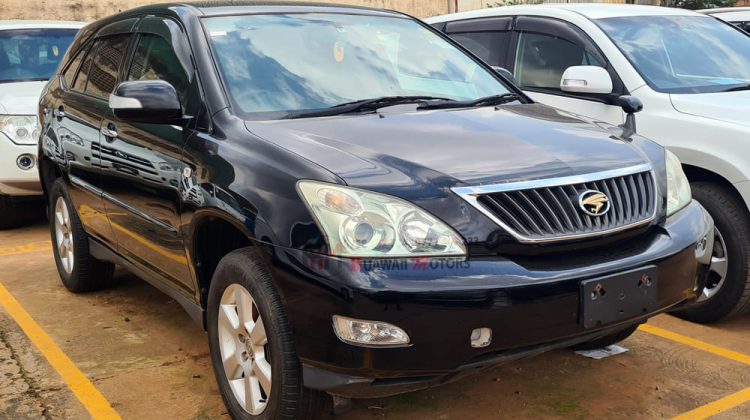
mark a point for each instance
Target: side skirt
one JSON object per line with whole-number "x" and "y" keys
{"x": 194, "y": 309}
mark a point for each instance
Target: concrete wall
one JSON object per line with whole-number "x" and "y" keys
{"x": 89, "y": 10}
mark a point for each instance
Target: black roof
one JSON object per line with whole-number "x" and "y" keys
{"x": 228, "y": 7}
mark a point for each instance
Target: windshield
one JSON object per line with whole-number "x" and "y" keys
{"x": 32, "y": 54}
{"x": 273, "y": 65}
{"x": 683, "y": 54}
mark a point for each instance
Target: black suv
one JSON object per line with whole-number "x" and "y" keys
{"x": 350, "y": 203}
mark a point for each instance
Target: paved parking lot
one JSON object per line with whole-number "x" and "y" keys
{"x": 132, "y": 352}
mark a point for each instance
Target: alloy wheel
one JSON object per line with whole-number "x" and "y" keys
{"x": 64, "y": 235}
{"x": 719, "y": 267}
{"x": 244, "y": 349}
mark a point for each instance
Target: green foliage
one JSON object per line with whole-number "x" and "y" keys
{"x": 699, "y": 4}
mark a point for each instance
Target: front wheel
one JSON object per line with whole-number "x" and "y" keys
{"x": 251, "y": 346}
{"x": 727, "y": 292}
{"x": 13, "y": 213}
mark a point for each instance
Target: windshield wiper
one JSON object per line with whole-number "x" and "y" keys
{"x": 363, "y": 106}
{"x": 738, "y": 88}
{"x": 493, "y": 100}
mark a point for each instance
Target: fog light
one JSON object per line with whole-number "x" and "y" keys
{"x": 368, "y": 333}
{"x": 481, "y": 337}
{"x": 25, "y": 161}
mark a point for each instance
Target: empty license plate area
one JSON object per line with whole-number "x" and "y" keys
{"x": 618, "y": 297}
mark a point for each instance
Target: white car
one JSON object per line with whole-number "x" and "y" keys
{"x": 29, "y": 54}
{"x": 692, "y": 74}
{"x": 739, "y": 16}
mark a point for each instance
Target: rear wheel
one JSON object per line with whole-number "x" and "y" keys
{"x": 727, "y": 292}
{"x": 607, "y": 340}
{"x": 251, "y": 346}
{"x": 79, "y": 270}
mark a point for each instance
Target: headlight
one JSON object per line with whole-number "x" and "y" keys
{"x": 360, "y": 223}
{"x": 21, "y": 129}
{"x": 678, "y": 187}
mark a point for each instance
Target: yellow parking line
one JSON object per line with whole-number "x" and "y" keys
{"x": 669, "y": 335}
{"x": 25, "y": 249}
{"x": 717, "y": 407}
{"x": 84, "y": 390}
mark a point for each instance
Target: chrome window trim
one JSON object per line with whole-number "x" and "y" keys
{"x": 471, "y": 193}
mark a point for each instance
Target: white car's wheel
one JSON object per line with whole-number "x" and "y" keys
{"x": 727, "y": 292}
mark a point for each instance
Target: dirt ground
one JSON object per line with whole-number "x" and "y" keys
{"x": 150, "y": 361}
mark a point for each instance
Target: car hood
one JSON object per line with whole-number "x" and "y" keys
{"x": 733, "y": 107}
{"x": 21, "y": 98}
{"x": 400, "y": 145}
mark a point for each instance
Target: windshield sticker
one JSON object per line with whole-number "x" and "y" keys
{"x": 338, "y": 51}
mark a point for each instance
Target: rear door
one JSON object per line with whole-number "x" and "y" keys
{"x": 142, "y": 166}
{"x": 487, "y": 38}
{"x": 78, "y": 114}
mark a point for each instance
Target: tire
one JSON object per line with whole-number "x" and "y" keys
{"x": 80, "y": 272}
{"x": 241, "y": 274}
{"x": 607, "y": 340}
{"x": 722, "y": 300}
{"x": 15, "y": 213}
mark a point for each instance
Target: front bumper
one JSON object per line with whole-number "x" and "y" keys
{"x": 15, "y": 181}
{"x": 439, "y": 302}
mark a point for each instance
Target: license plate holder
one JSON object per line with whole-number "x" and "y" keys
{"x": 609, "y": 299}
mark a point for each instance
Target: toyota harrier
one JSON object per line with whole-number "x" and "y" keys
{"x": 349, "y": 203}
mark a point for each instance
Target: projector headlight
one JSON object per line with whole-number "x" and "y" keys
{"x": 678, "y": 187}
{"x": 360, "y": 223}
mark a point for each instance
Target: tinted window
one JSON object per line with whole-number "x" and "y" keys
{"x": 683, "y": 54}
{"x": 32, "y": 54}
{"x": 155, "y": 59}
{"x": 83, "y": 74}
{"x": 542, "y": 59}
{"x": 281, "y": 63}
{"x": 70, "y": 73}
{"x": 104, "y": 69}
{"x": 491, "y": 47}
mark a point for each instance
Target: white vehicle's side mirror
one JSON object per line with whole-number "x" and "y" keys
{"x": 586, "y": 79}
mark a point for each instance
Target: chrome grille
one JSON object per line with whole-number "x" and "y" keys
{"x": 550, "y": 210}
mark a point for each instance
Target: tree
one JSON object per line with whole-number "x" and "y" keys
{"x": 698, "y": 4}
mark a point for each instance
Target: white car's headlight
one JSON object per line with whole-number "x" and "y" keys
{"x": 678, "y": 187}
{"x": 21, "y": 129}
{"x": 360, "y": 223}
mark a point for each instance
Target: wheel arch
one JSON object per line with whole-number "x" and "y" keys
{"x": 213, "y": 235}
{"x": 699, "y": 174}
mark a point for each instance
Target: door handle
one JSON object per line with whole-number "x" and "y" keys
{"x": 59, "y": 113}
{"x": 109, "y": 133}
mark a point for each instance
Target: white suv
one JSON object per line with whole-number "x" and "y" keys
{"x": 692, "y": 73}
{"x": 29, "y": 54}
{"x": 739, "y": 16}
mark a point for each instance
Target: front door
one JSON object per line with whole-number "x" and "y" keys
{"x": 142, "y": 166}
{"x": 544, "y": 48}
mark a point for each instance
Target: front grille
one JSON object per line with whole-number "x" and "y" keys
{"x": 553, "y": 212}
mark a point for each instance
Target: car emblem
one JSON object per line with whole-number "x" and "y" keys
{"x": 120, "y": 154}
{"x": 593, "y": 203}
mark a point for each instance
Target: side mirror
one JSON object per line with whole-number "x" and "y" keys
{"x": 630, "y": 105}
{"x": 586, "y": 79}
{"x": 147, "y": 101}
{"x": 505, "y": 73}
